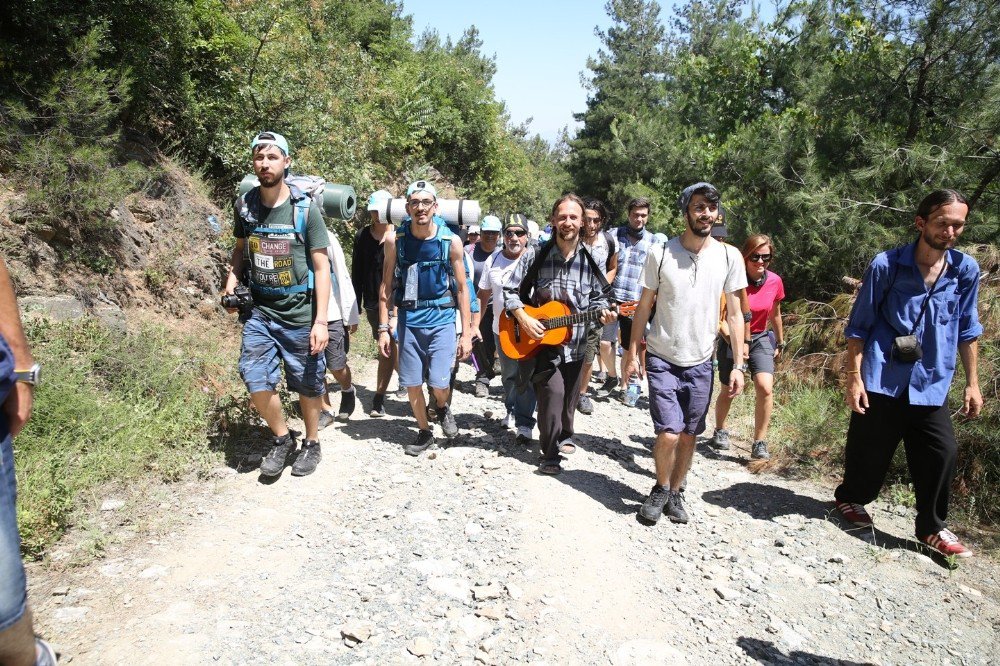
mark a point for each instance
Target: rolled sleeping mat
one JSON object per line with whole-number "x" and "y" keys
{"x": 337, "y": 201}
{"x": 463, "y": 212}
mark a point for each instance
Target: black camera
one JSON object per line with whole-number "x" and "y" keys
{"x": 906, "y": 349}
{"x": 241, "y": 299}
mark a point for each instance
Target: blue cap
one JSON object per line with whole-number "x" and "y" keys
{"x": 421, "y": 186}
{"x": 270, "y": 139}
{"x": 378, "y": 198}
{"x": 491, "y": 223}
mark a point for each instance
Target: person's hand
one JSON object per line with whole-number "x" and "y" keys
{"x": 17, "y": 406}
{"x": 532, "y": 326}
{"x": 464, "y": 346}
{"x": 854, "y": 393}
{"x": 352, "y": 329}
{"x": 608, "y": 316}
{"x": 736, "y": 382}
{"x": 384, "y": 343}
{"x": 630, "y": 366}
{"x": 973, "y": 403}
{"x": 476, "y": 336}
{"x": 318, "y": 337}
{"x": 777, "y": 351}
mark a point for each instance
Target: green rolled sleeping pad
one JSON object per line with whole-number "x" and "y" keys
{"x": 335, "y": 200}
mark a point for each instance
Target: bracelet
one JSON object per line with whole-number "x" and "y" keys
{"x": 383, "y": 328}
{"x": 321, "y": 322}
{"x": 852, "y": 372}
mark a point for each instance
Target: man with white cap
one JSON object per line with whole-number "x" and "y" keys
{"x": 472, "y": 236}
{"x": 485, "y": 350}
{"x": 280, "y": 254}
{"x": 424, "y": 279}
{"x": 367, "y": 261}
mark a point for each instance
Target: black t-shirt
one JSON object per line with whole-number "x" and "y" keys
{"x": 367, "y": 261}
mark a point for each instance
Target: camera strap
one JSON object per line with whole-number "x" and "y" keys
{"x": 923, "y": 306}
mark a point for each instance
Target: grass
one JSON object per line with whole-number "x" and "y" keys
{"x": 115, "y": 411}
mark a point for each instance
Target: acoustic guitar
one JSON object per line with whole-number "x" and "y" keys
{"x": 558, "y": 322}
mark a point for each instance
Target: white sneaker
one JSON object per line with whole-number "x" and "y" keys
{"x": 508, "y": 421}
{"x": 524, "y": 431}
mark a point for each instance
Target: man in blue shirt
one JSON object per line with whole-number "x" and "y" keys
{"x": 916, "y": 307}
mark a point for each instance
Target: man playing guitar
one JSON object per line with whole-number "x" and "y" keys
{"x": 561, "y": 270}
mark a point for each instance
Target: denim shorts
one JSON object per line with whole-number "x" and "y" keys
{"x": 761, "y": 357}
{"x": 427, "y": 352}
{"x": 13, "y": 588}
{"x": 678, "y": 397}
{"x": 267, "y": 344}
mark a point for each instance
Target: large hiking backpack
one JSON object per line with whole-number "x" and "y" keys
{"x": 408, "y": 270}
{"x": 261, "y": 267}
{"x": 333, "y": 200}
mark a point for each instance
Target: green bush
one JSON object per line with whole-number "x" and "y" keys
{"x": 115, "y": 410}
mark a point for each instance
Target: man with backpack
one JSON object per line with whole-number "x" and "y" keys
{"x": 281, "y": 255}
{"x": 916, "y": 310}
{"x": 424, "y": 279}
{"x": 484, "y": 348}
{"x": 603, "y": 247}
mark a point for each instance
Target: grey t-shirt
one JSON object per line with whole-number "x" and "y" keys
{"x": 688, "y": 288}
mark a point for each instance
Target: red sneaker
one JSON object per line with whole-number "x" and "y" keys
{"x": 854, "y": 513}
{"x": 946, "y": 543}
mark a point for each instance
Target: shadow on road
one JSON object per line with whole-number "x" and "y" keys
{"x": 766, "y": 652}
{"x": 613, "y": 494}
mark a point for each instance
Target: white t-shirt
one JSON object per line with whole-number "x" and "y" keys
{"x": 602, "y": 249}
{"x": 495, "y": 273}
{"x": 688, "y": 288}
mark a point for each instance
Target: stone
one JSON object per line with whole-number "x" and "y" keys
{"x": 356, "y": 633}
{"x": 489, "y": 612}
{"x": 154, "y": 571}
{"x": 435, "y": 567}
{"x": 486, "y": 592}
{"x": 70, "y": 613}
{"x": 969, "y": 591}
{"x": 473, "y": 627}
{"x": 514, "y": 591}
{"x": 57, "y": 308}
{"x": 839, "y": 558}
{"x": 456, "y": 588}
{"x": 727, "y": 594}
{"x": 420, "y": 646}
{"x": 642, "y": 652}
{"x": 112, "y": 504}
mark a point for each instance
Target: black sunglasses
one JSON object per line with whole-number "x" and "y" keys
{"x": 514, "y": 232}
{"x": 760, "y": 257}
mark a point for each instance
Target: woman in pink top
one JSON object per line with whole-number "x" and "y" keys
{"x": 765, "y": 292}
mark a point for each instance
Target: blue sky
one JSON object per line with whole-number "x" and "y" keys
{"x": 541, "y": 48}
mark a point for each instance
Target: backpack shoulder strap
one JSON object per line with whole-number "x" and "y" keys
{"x": 531, "y": 275}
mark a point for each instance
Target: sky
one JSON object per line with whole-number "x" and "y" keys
{"x": 541, "y": 48}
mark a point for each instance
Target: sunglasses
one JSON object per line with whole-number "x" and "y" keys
{"x": 760, "y": 257}
{"x": 510, "y": 233}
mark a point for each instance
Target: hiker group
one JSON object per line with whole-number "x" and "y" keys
{"x": 540, "y": 308}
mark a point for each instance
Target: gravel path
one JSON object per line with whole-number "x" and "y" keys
{"x": 467, "y": 555}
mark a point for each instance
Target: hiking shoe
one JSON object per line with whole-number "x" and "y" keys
{"x": 275, "y": 460}
{"x": 854, "y": 513}
{"x": 720, "y": 440}
{"x": 609, "y": 386}
{"x": 347, "y": 404}
{"x": 598, "y": 377}
{"x": 45, "y": 655}
{"x": 325, "y": 420}
{"x": 759, "y": 450}
{"x": 675, "y": 508}
{"x": 508, "y": 421}
{"x": 378, "y": 405}
{"x": 481, "y": 390}
{"x": 585, "y": 406}
{"x": 523, "y": 440}
{"x": 401, "y": 393}
{"x": 447, "y": 420}
{"x": 424, "y": 441}
{"x": 652, "y": 508}
{"x": 946, "y": 543}
{"x": 309, "y": 456}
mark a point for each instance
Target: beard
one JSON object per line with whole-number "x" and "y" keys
{"x": 570, "y": 234}
{"x": 269, "y": 179}
{"x": 701, "y": 233}
{"x": 936, "y": 244}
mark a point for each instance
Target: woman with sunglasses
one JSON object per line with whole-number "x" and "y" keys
{"x": 765, "y": 292}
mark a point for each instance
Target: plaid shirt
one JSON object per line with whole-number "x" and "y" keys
{"x": 631, "y": 259}
{"x": 570, "y": 281}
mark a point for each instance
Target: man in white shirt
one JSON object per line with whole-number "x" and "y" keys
{"x": 686, "y": 279}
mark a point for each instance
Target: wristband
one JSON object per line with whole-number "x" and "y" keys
{"x": 321, "y": 322}
{"x": 383, "y": 328}
{"x": 741, "y": 367}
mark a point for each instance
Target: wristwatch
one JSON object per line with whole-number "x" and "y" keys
{"x": 30, "y": 376}
{"x": 741, "y": 367}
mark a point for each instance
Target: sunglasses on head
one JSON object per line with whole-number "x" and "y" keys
{"x": 510, "y": 233}
{"x": 760, "y": 257}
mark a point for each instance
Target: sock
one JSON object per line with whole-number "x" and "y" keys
{"x": 348, "y": 390}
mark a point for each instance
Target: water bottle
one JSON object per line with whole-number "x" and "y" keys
{"x": 213, "y": 224}
{"x": 632, "y": 391}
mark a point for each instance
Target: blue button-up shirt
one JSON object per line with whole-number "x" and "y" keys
{"x": 887, "y": 306}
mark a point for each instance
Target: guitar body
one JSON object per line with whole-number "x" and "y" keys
{"x": 518, "y": 344}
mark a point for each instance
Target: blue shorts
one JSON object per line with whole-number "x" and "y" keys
{"x": 267, "y": 344}
{"x": 13, "y": 587}
{"x": 678, "y": 397}
{"x": 427, "y": 352}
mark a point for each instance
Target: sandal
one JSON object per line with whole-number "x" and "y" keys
{"x": 567, "y": 447}
{"x": 549, "y": 467}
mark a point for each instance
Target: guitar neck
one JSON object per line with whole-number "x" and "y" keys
{"x": 570, "y": 320}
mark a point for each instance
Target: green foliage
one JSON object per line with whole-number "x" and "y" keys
{"x": 66, "y": 145}
{"x": 114, "y": 410}
{"x": 822, "y": 128}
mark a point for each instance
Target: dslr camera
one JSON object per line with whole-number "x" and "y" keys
{"x": 241, "y": 299}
